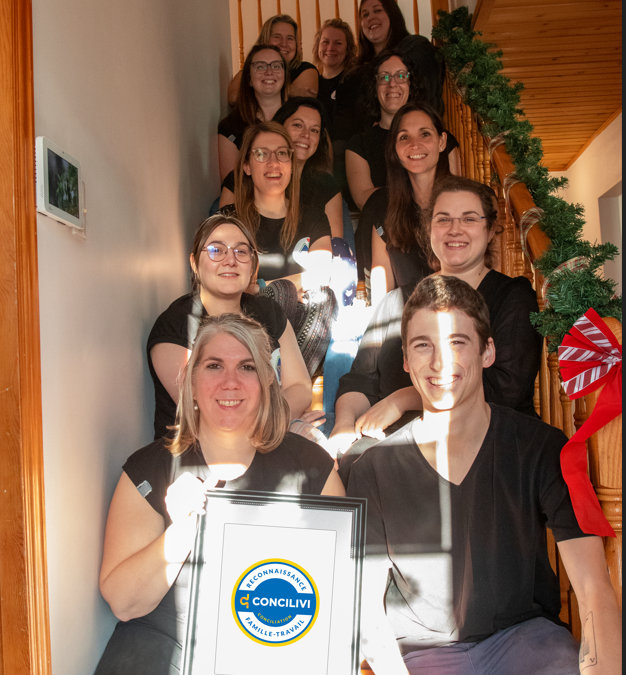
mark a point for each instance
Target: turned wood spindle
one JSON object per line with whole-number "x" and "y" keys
{"x": 556, "y": 411}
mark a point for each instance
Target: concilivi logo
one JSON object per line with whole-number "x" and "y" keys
{"x": 275, "y": 602}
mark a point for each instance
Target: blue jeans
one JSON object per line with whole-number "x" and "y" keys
{"x": 534, "y": 647}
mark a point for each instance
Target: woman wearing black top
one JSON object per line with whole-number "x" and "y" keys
{"x": 382, "y": 26}
{"x": 263, "y": 90}
{"x": 224, "y": 261}
{"x": 392, "y": 83}
{"x": 231, "y": 432}
{"x": 334, "y": 55}
{"x": 282, "y": 31}
{"x": 306, "y": 125}
{"x": 295, "y": 243}
{"x": 387, "y": 236}
{"x": 459, "y": 239}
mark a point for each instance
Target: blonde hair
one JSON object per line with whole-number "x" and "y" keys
{"x": 244, "y": 185}
{"x": 272, "y": 418}
{"x": 351, "y": 48}
{"x": 266, "y": 34}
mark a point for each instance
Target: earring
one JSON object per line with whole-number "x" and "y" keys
{"x": 195, "y": 405}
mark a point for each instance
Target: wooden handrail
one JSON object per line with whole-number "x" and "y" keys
{"x": 552, "y": 403}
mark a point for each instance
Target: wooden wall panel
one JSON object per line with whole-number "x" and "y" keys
{"x": 23, "y": 582}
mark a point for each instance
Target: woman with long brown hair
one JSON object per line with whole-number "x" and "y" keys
{"x": 282, "y": 32}
{"x": 295, "y": 244}
{"x": 262, "y": 90}
{"x": 392, "y": 217}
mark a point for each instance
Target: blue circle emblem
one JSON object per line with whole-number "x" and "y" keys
{"x": 275, "y": 602}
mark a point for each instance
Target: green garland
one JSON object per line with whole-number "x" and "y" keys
{"x": 492, "y": 96}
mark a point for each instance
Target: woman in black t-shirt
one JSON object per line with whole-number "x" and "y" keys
{"x": 387, "y": 236}
{"x": 282, "y": 32}
{"x": 458, "y": 238}
{"x": 305, "y": 123}
{"x": 334, "y": 55}
{"x": 295, "y": 243}
{"x": 224, "y": 261}
{"x": 263, "y": 89}
{"x": 231, "y": 432}
{"x": 391, "y": 82}
{"x": 382, "y": 26}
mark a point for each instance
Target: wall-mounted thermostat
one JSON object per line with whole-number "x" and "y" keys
{"x": 58, "y": 180}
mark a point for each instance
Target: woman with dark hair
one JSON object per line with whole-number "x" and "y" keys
{"x": 224, "y": 260}
{"x": 458, "y": 236}
{"x": 382, "y": 26}
{"x": 305, "y": 122}
{"x": 387, "y": 236}
{"x": 231, "y": 432}
{"x": 295, "y": 243}
{"x": 263, "y": 89}
{"x": 392, "y": 82}
{"x": 282, "y": 32}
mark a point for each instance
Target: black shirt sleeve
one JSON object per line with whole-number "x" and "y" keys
{"x": 510, "y": 381}
{"x": 268, "y": 313}
{"x": 229, "y": 182}
{"x": 232, "y": 128}
{"x": 370, "y": 362}
{"x": 295, "y": 73}
{"x": 317, "y": 188}
{"x": 313, "y": 224}
{"x": 150, "y": 471}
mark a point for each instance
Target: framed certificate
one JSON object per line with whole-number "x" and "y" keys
{"x": 275, "y": 585}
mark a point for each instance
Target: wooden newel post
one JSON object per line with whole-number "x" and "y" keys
{"x": 605, "y": 471}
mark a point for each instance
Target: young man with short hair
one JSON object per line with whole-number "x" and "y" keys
{"x": 457, "y": 579}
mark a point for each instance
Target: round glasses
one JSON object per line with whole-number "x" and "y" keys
{"x": 217, "y": 252}
{"x": 264, "y": 66}
{"x": 401, "y": 77}
{"x": 446, "y": 221}
{"x": 263, "y": 155}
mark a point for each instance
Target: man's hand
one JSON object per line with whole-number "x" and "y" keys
{"x": 378, "y": 418}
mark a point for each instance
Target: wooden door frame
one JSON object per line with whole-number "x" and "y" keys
{"x": 24, "y": 621}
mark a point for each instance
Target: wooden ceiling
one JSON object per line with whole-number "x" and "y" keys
{"x": 568, "y": 54}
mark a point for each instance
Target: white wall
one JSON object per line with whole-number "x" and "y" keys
{"x": 594, "y": 175}
{"x": 132, "y": 90}
{"x": 307, "y": 13}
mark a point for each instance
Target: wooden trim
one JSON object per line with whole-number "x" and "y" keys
{"x": 481, "y": 15}
{"x": 416, "y": 18}
{"x": 24, "y": 620}
{"x": 435, "y": 6}
{"x": 593, "y": 136}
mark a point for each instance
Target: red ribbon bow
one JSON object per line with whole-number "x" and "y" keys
{"x": 589, "y": 357}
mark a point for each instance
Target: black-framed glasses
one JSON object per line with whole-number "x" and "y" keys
{"x": 446, "y": 221}
{"x": 263, "y": 155}
{"x": 401, "y": 77}
{"x": 217, "y": 252}
{"x": 264, "y": 66}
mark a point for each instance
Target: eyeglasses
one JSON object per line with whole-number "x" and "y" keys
{"x": 401, "y": 77}
{"x": 446, "y": 221}
{"x": 264, "y": 66}
{"x": 263, "y": 155}
{"x": 217, "y": 252}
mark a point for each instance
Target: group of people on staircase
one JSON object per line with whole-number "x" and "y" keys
{"x": 434, "y": 423}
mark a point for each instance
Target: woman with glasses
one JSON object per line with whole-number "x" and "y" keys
{"x": 224, "y": 260}
{"x": 382, "y": 26}
{"x": 262, "y": 90}
{"x": 295, "y": 242}
{"x": 393, "y": 83}
{"x": 460, "y": 227}
{"x": 305, "y": 122}
{"x": 231, "y": 433}
{"x": 282, "y": 32}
